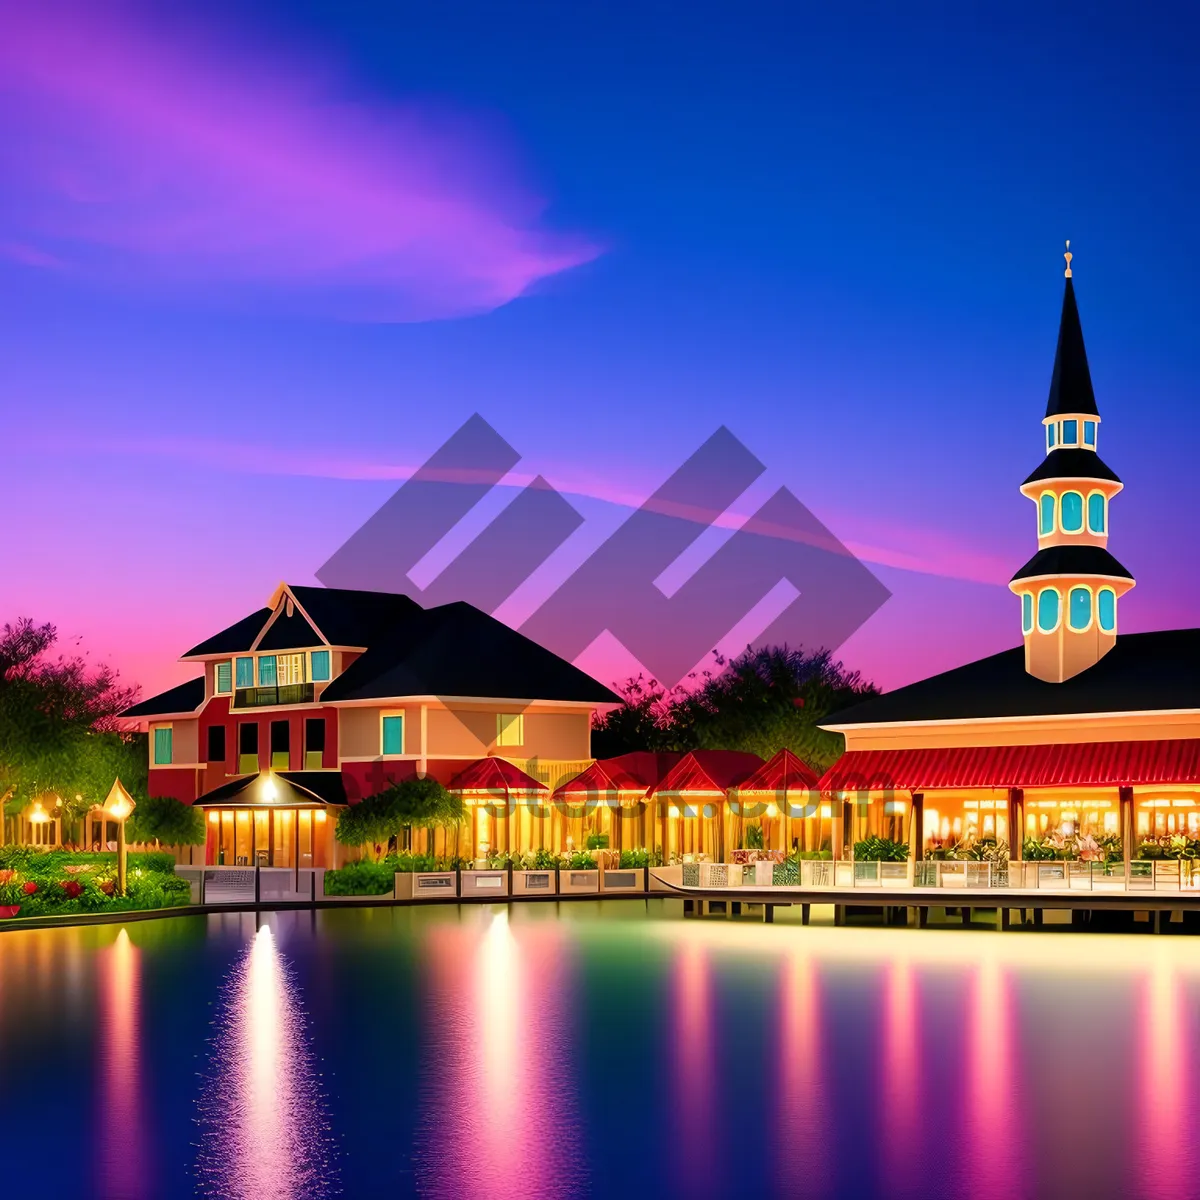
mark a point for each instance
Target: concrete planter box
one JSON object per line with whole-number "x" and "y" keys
{"x": 578, "y": 883}
{"x": 628, "y": 881}
{"x": 488, "y": 884}
{"x": 666, "y": 879}
{"x": 534, "y": 883}
{"x": 432, "y": 885}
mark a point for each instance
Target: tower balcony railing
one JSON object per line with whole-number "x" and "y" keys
{"x": 263, "y": 697}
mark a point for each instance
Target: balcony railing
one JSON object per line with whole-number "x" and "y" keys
{"x": 261, "y": 697}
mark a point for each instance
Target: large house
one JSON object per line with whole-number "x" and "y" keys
{"x": 325, "y": 696}
{"x": 1076, "y": 734}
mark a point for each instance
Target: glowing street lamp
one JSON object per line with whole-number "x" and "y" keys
{"x": 119, "y": 805}
{"x": 39, "y": 816}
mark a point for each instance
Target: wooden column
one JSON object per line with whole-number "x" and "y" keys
{"x": 917, "y": 847}
{"x": 837, "y": 821}
{"x": 1016, "y": 824}
{"x": 1128, "y": 828}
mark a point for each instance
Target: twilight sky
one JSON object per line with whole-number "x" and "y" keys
{"x": 259, "y": 260}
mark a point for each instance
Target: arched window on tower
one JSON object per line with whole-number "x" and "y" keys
{"x": 1106, "y": 609}
{"x": 1096, "y": 514}
{"x": 1046, "y": 514}
{"x": 1079, "y": 608}
{"x": 1047, "y": 610}
{"x": 1026, "y": 612}
{"x": 1072, "y": 512}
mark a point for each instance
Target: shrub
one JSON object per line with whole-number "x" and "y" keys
{"x": 634, "y": 859}
{"x": 365, "y": 878}
{"x": 880, "y": 849}
{"x": 580, "y": 860}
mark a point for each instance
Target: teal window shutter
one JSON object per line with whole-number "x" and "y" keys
{"x": 1106, "y": 609}
{"x": 1080, "y": 608}
{"x": 320, "y": 666}
{"x": 393, "y": 735}
{"x": 1047, "y": 610}
{"x": 266, "y": 671}
{"x": 162, "y": 747}
{"x": 224, "y": 678}
{"x": 1072, "y": 512}
{"x": 245, "y": 672}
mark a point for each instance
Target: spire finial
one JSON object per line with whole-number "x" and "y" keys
{"x": 1068, "y": 256}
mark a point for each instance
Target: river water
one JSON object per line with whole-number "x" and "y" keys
{"x": 593, "y": 1049}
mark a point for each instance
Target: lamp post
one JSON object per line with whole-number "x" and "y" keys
{"x": 119, "y": 805}
{"x": 38, "y": 816}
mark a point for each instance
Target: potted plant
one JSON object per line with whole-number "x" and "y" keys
{"x": 628, "y": 874}
{"x": 578, "y": 873}
{"x": 423, "y": 877}
{"x": 536, "y": 874}
{"x": 490, "y": 880}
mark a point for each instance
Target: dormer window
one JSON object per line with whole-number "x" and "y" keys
{"x": 1089, "y": 434}
{"x": 1070, "y": 433}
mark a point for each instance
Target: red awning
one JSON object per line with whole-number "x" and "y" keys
{"x": 494, "y": 776}
{"x": 782, "y": 774}
{"x": 708, "y": 773}
{"x": 627, "y": 774}
{"x": 1097, "y": 764}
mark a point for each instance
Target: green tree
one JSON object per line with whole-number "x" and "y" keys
{"x": 60, "y": 726}
{"x": 762, "y": 701}
{"x": 385, "y": 817}
{"x": 166, "y": 822}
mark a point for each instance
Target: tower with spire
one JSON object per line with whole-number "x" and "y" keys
{"x": 1070, "y": 588}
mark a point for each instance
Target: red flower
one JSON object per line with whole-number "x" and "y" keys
{"x": 29, "y": 887}
{"x": 71, "y": 888}
{"x": 108, "y": 887}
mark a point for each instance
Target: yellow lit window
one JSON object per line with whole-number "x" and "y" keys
{"x": 289, "y": 668}
{"x": 510, "y": 729}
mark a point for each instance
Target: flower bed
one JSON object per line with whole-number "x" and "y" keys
{"x": 36, "y": 883}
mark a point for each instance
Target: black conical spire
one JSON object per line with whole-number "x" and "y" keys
{"x": 1071, "y": 383}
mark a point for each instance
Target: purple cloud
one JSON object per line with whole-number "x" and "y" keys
{"x": 160, "y": 156}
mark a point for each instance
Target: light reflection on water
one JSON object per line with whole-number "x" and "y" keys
{"x": 479, "y": 1052}
{"x": 264, "y": 1134}
{"x": 499, "y": 1115}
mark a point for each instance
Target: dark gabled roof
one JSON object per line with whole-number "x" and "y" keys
{"x": 354, "y": 618}
{"x": 1143, "y": 672}
{"x": 183, "y": 698}
{"x": 1072, "y": 560}
{"x": 238, "y": 637}
{"x": 298, "y": 787}
{"x": 290, "y": 633}
{"x": 1073, "y": 463}
{"x": 456, "y": 650}
{"x": 1071, "y": 382}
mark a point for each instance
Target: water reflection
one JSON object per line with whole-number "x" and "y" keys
{"x": 803, "y": 1152}
{"x": 499, "y": 1113}
{"x": 694, "y": 1044}
{"x": 264, "y": 1135}
{"x": 1166, "y": 1066}
{"x": 122, "y": 1168}
{"x": 899, "y": 1100}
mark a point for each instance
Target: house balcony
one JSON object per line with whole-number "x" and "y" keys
{"x": 270, "y": 697}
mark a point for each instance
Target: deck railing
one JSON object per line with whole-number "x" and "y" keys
{"x": 1143, "y": 875}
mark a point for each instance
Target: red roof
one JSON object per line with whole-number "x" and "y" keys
{"x": 636, "y": 772}
{"x": 708, "y": 773}
{"x": 786, "y": 772}
{"x": 494, "y": 775}
{"x": 1110, "y": 764}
